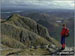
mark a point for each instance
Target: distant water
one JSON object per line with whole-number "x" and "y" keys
{"x": 12, "y": 12}
{"x": 59, "y": 21}
{"x": 6, "y": 12}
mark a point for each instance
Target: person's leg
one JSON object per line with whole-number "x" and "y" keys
{"x": 63, "y": 45}
{"x": 63, "y": 42}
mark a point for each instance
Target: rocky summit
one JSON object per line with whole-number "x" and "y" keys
{"x": 24, "y": 36}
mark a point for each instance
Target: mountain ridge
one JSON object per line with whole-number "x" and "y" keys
{"x": 26, "y": 33}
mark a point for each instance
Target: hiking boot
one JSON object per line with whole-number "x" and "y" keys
{"x": 62, "y": 48}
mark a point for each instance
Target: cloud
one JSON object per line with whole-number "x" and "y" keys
{"x": 40, "y": 3}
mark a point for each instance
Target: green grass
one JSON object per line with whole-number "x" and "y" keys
{"x": 11, "y": 42}
{"x": 29, "y": 51}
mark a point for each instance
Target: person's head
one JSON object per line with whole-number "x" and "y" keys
{"x": 64, "y": 25}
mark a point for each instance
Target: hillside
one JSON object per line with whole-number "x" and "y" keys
{"x": 26, "y": 36}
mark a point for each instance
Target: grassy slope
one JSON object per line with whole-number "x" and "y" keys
{"x": 11, "y": 42}
{"x": 20, "y": 52}
{"x": 16, "y": 31}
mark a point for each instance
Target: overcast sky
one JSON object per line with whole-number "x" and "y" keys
{"x": 63, "y": 4}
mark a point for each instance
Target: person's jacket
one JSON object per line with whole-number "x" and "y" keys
{"x": 64, "y": 31}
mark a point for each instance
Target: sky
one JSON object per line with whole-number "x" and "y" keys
{"x": 56, "y": 4}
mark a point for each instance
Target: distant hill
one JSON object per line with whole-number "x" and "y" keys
{"x": 18, "y": 32}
